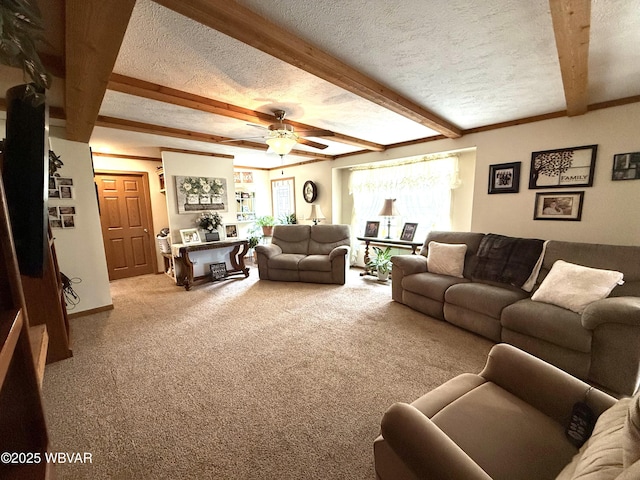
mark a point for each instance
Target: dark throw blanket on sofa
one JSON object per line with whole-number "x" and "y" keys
{"x": 507, "y": 259}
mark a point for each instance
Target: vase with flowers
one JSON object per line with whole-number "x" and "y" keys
{"x": 209, "y": 222}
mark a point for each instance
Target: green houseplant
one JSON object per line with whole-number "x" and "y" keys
{"x": 266, "y": 222}
{"x": 381, "y": 262}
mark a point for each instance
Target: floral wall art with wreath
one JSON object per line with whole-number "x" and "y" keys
{"x": 198, "y": 194}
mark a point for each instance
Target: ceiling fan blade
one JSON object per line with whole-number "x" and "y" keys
{"x": 316, "y": 133}
{"x": 311, "y": 143}
{"x": 241, "y": 139}
{"x": 256, "y": 125}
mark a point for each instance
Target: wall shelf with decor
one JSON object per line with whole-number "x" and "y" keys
{"x": 245, "y": 206}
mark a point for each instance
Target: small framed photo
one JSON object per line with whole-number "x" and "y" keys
{"x": 190, "y": 236}
{"x": 53, "y": 212}
{"x": 408, "y": 232}
{"x": 68, "y": 221}
{"x": 66, "y": 191}
{"x": 54, "y": 193}
{"x": 64, "y": 210}
{"x": 559, "y": 206}
{"x": 563, "y": 168}
{"x": 55, "y": 223}
{"x": 504, "y": 178}
{"x": 60, "y": 181}
{"x": 626, "y": 166}
{"x": 231, "y": 231}
{"x": 371, "y": 229}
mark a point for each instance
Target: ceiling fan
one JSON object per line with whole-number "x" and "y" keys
{"x": 282, "y": 137}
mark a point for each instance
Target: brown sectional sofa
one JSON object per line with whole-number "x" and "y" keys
{"x": 306, "y": 253}
{"x": 601, "y": 345}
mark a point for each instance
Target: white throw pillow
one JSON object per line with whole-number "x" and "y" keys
{"x": 446, "y": 258}
{"x": 574, "y": 286}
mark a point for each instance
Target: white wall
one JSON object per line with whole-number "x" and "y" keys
{"x": 609, "y": 213}
{"x": 158, "y": 199}
{"x": 81, "y": 250}
{"x": 182, "y": 164}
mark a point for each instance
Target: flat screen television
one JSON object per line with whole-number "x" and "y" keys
{"x": 25, "y": 171}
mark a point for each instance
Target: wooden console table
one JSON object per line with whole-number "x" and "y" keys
{"x": 236, "y": 257}
{"x": 386, "y": 242}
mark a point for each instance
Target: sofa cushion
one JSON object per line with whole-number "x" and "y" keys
{"x": 547, "y": 322}
{"x": 575, "y": 286}
{"x": 482, "y": 298}
{"x": 285, "y": 261}
{"x": 503, "y": 433}
{"x": 446, "y": 259}
{"x": 431, "y": 285}
{"x": 631, "y": 438}
{"x": 292, "y": 238}
{"x": 600, "y": 458}
{"x": 325, "y": 238}
{"x": 317, "y": 263}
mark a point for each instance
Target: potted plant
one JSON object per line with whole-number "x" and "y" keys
{"x": 266, "y": 222}
{"x": 288, "y": 219}
{"x": 209, "y": 222}
{"x": 254, "y": 237}
{"x": 381, "y": 262}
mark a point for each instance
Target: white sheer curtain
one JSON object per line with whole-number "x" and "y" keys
{"x": 422, "y": 189}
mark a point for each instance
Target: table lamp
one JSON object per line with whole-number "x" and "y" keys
{"x": 389, "y": 210}
{"x": 315, "y": 214}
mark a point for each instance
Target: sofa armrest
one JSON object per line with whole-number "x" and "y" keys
{"x": 410, "y": 264}
{"x": 540, "y": 384}
{"x": 341, "y": 251}
{"x": 425, "y": 449}
{"x": 625, "y": 310}
{"x": 269, "y": 250}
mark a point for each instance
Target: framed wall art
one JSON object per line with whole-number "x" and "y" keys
{"x": 558, "y": 206}
{"x": 563, "y": 168}
{"x": 408, "y": 232}
{"x": 504, "y": 178}
{"x": 626, "y": 166}
{"x": 200, "y": 194}
{"x": 231, "y": 231}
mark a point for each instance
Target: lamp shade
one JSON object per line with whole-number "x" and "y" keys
{"x": 282, "y": 143}
{"x": 389, "y": 208}
{"x": 316, "y": 213}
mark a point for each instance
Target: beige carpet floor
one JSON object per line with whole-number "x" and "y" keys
{"x": 243, "y": 379}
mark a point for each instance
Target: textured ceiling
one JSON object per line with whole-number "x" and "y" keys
{"x": 471, "y": 63}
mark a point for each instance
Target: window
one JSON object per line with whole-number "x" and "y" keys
{"x": 422, "y": 189}
{"x": 283, "y": 197}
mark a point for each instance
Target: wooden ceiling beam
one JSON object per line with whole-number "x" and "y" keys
{"x": 153, "y": 91}
{"x": 140, "y": 127}
{"x": 571, "y": 25}
{"x": 237, "y": 21}
{"x": 94, "y": 33}
{"x": 196, "y": 152}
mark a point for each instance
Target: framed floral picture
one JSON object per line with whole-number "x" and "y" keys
{"x": 199, "y": 194}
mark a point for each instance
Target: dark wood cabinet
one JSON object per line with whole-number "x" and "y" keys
{"x": 22, "y": 424}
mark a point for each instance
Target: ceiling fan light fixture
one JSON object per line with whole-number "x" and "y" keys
{"x": 282, "y": 142}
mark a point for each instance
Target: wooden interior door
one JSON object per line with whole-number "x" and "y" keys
{"x": 125, "y": 215}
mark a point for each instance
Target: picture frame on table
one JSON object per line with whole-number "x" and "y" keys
{"x": 231, "y": 230}
{"x": 565, "y": 206}
{"x": 371, "y": 229}
{"x": 408, "y": 232}
{"x": 563, "y": 168}
{"x": 504, "y": 178}
{"x": 626, "y": 166}
{"x": 190, "y": 236}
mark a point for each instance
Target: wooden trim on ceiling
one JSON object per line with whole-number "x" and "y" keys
{"x": 94, "y": 33}
{"x": 571, "y": 25}
{"x": 153, "y": 91}
{"x": 125, "y": 156}
{"x": 132, "y": 126}
{"x": 237, "y": 21}
{"x": 196, "y": 152}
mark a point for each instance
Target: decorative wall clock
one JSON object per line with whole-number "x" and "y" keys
{"x": 309, "y": 191}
